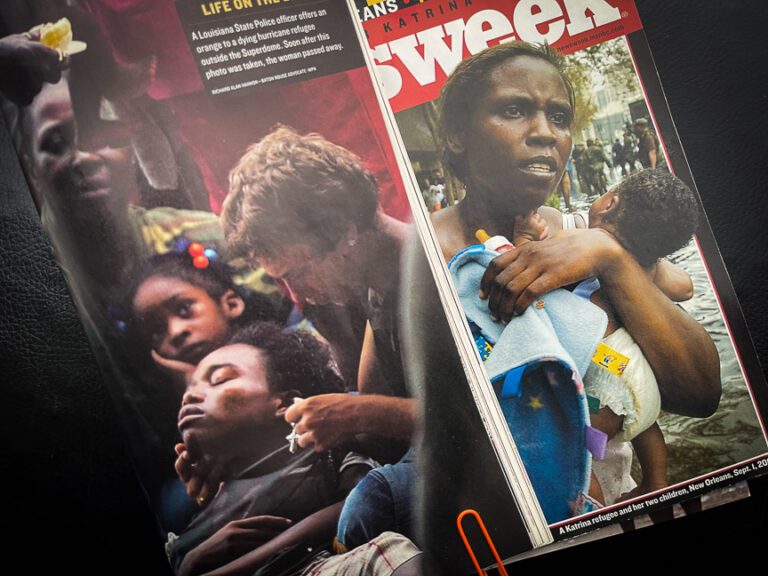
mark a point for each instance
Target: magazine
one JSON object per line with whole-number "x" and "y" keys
{"x": 510, "y": 140}
{"x": 205, "y": 167}
{"x": 257, "y": 390}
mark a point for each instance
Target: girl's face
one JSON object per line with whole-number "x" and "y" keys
{"x": 182, "y": 321}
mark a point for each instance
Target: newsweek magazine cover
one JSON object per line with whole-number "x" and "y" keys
{"x": 219, "y": 186}
{"x": 584, "y": 132}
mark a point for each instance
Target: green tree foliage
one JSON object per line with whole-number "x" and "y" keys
{"x": 608, "y": 63}
{"x": 586, "y": 108}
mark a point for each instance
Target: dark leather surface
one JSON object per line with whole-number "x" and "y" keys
{"x": 71, "y": 499}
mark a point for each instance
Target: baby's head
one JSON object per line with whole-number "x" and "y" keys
{"x": 183, "y": 312}
{"x": 652, "y": 213}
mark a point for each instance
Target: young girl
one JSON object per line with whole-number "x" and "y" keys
{"x": 181, "y": 310}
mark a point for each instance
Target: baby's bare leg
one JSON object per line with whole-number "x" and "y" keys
{"x": 651, "y": 450}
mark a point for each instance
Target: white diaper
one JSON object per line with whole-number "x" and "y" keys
{"x": 634, "y": 394}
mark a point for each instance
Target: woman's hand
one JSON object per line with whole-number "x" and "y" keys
{"x": 202, "y": 477}
{"x": 680, "y": 351}
{"x": 516, "y": 278}
{"x": 324, "y": 421}
{"x": 25, "y": 64}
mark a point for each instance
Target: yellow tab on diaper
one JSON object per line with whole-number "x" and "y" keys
{"x": 606, "y": 357}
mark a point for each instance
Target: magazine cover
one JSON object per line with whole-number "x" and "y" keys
{"x": 219, "y": 186}
{"x": 592, "y": 291}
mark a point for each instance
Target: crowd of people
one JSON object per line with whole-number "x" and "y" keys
{"x": 638, "y": 149}
{"x": 286, "y": 429}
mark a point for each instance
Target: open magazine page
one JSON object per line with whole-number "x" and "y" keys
{"x": 219, "y": 186}
{"x": 557, "y": 157}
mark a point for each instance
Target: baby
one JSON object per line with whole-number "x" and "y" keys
{"x": 651, "y": 214}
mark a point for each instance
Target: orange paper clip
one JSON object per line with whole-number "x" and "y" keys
{"x": 488, "y": 540}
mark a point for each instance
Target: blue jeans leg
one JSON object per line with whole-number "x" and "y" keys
{"x": 381, "y": 502}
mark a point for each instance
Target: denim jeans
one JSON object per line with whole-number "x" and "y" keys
{"x": 381, "y": 502}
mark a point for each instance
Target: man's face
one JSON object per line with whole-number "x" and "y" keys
{"x": 519, "y": 134}
{"x": 65, "y": 175}
{"x": 314, "y": 277}
{"x": 228, "y": 402}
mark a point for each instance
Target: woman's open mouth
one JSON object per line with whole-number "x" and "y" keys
{"x": 542, "y": 166}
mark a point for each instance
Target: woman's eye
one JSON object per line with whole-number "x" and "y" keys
{"x": 54, "y": 143}
{"x": 560, "y": 118}
{"x": 513, "y": 112}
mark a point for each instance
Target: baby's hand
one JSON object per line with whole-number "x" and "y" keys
{"x": 530, "y": 228}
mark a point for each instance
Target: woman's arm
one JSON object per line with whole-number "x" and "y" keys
{"x": 681, "y": 353}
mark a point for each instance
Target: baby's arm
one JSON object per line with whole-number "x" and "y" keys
{"x": 672, "y": 280}
{"x": 530, "y": 228}
{"x": 651, "y": 450}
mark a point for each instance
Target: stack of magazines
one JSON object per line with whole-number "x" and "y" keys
{"x": 386, "y": 286}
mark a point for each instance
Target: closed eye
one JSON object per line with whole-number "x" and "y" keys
{"x": 222, "y": 375}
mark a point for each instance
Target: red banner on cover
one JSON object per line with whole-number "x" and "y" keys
{"x": 417, "y": 47}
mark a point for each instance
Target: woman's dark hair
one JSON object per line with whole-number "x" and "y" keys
{"x": 470, "y": 78}
{"x": 294, "y": 360}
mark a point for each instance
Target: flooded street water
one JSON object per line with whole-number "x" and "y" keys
{"x": 732, "y": 434}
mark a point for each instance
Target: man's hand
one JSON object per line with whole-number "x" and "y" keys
{"x": 25, "y": 64}
{"x": 202, "y": 477}
{"x": 234, "y": 540}
{"x": 324, "y": 421}
{"x": 518, "y": 277}
{"x": 327, "y": 420}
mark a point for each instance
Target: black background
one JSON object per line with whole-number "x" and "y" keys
{"x": 69, "y": 497}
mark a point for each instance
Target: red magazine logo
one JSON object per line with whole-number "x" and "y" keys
{"x": 417, "y": 47}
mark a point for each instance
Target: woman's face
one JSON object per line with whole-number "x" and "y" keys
{"x": 518, "y": 138}
{"x": 72, "y": 180}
